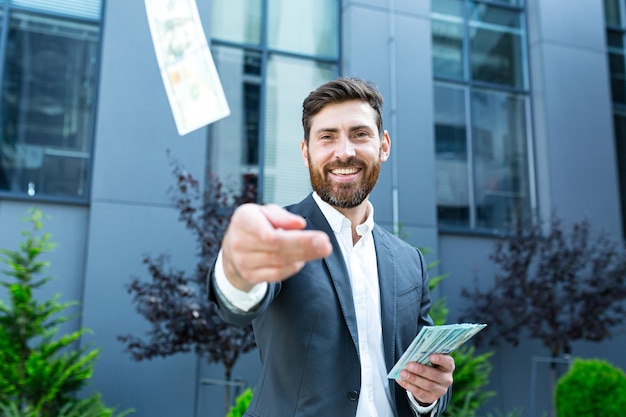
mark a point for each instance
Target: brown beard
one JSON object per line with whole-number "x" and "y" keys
{"x": 344, "y": 195}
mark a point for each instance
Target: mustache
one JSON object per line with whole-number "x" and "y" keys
{"x": 350, "y": 162}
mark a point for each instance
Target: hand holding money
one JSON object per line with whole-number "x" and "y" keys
{"x": 425, "y": 368}
{"x": 428, "y": 383}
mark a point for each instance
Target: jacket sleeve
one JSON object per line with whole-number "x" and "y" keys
{"x": 228, "y": 312}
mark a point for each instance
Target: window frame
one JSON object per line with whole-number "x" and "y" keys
{"x": 469, "y": 85}
{"x": 618, "y": 107}
{"x": 6, "y": 10}
{"x": 265, "y": 51}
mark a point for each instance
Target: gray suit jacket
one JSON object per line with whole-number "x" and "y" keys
{"x": 306, "y": 328}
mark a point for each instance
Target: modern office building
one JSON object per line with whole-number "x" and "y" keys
{"x": 497, "y": 109}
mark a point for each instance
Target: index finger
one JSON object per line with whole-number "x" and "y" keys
{"x": 301, "y": 245}
{"x": 443, "y": 362}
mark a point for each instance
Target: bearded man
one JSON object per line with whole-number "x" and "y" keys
{"x": 334, "y": 299}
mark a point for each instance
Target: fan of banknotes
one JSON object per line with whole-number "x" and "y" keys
{"x": 435, "y": 339}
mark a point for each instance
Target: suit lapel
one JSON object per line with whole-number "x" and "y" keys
{"x": 388, "y": 288}
{"x": 336, "y": 266}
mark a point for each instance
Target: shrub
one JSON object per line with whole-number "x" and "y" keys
{"x": 40, "y": 371}
{"x": 471, "y": 376}
{"x": 241, "y": 404}
{"x": 556, "y": 287}
{"x": 592, "y": 387}
{"x": 174, "y": 301}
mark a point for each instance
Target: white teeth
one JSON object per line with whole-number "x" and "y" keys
{"x": 345, "y": 171}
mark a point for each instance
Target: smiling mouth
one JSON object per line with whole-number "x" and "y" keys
{"x": 344, "y": 171}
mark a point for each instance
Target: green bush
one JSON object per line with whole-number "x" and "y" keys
{"x": 241, "y": 404}
{"x": 40, "y": 370}
{"x": 472, "y": 370}
{"x": 592, "y": 387}
{"x": 471, "y": 376}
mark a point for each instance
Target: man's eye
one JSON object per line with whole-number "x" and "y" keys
{"x": 361, "y": 134}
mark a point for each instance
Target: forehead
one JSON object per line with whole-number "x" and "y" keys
{"x": 348, "y": 113}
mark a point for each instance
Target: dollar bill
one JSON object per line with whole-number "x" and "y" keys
{"x": 191, "y": 81}
{"x": 435, "y": 339}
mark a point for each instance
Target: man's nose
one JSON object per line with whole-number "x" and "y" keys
{"x": 345, "y": 149}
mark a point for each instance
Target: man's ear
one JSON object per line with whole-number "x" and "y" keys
{"x": 304, "y": 149}
{"x": 385, "y": 146}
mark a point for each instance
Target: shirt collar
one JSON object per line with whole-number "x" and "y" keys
{"x": 336, "y": 220}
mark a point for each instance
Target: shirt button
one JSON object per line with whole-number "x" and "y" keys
{"x": 353, "y": 395}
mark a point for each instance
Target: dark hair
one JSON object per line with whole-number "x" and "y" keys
{"x": 338, "y": 91}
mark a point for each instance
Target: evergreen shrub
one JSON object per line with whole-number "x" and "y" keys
{"x": 592, "y": 387}
{"x": 41, "y": 370}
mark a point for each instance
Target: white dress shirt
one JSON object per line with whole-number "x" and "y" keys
{"x": 360, "y": 259}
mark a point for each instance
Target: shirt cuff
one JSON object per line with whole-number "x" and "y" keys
{"x": 241, "y": 300}
{"x": 422, "y": 411}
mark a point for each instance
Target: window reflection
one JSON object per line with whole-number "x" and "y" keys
{"x": 453, "y": 203}
{"x": 500, "y": 158}
{"x": 509, "y": 2}
{"x": 304, "y": 26}
{"x": 236, "y": 21}
{"x": 612, "y": 13}
{"x": 617, "y": 66}
{"x": 480, "y": 130}
{"x": 47, "y": 106}
{"x": 447, "y": 37}
{"x": 496, "y": 45}
{"x": 265, "y": 79}
{"x": 234, "y": 144}
{"x": 289, "y": 80}
{"x": 619, "y": 121}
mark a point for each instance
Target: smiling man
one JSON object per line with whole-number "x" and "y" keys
{"x": 334, "y": 299}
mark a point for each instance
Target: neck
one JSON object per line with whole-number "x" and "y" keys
{"x": 357, "y": 215}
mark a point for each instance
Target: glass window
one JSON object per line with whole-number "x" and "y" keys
{"x": 238, "y": 135}
{"x": 305, "y": 26}
{"x": 236, "y": 21}
{"x": 496, "y": 45}
{"x": 89, "y": 9}
{"x": 481, "y": 127}
{"x": 612, "y": 13}
{"x": 447, "y": 38}
{"x": 289, "y": 81}
{"x": 259, "y": 144}
{"x": 500, "y": 158}
{"x": 46, "y": 106}
{"x": 619, "y": 121}
{"x": 453, "y": 204}
{"x": 617, "y": 65}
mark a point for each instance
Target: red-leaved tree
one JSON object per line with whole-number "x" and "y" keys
{"x": 174, "y": 301}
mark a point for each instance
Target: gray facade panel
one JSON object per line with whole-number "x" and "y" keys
{"x": 574, "y": 24}
{"x": 366, "y": 55}
{"x": 575, "y": 151}
{"x": 66, "y": 225}
{"x": 581, "y": 148}
{"x": 414, "y": 126}
{"x": 119, "y": 239}
{"x": 135, "y": 126}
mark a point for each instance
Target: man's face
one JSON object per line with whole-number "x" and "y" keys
{"x": 344, "y": 153}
